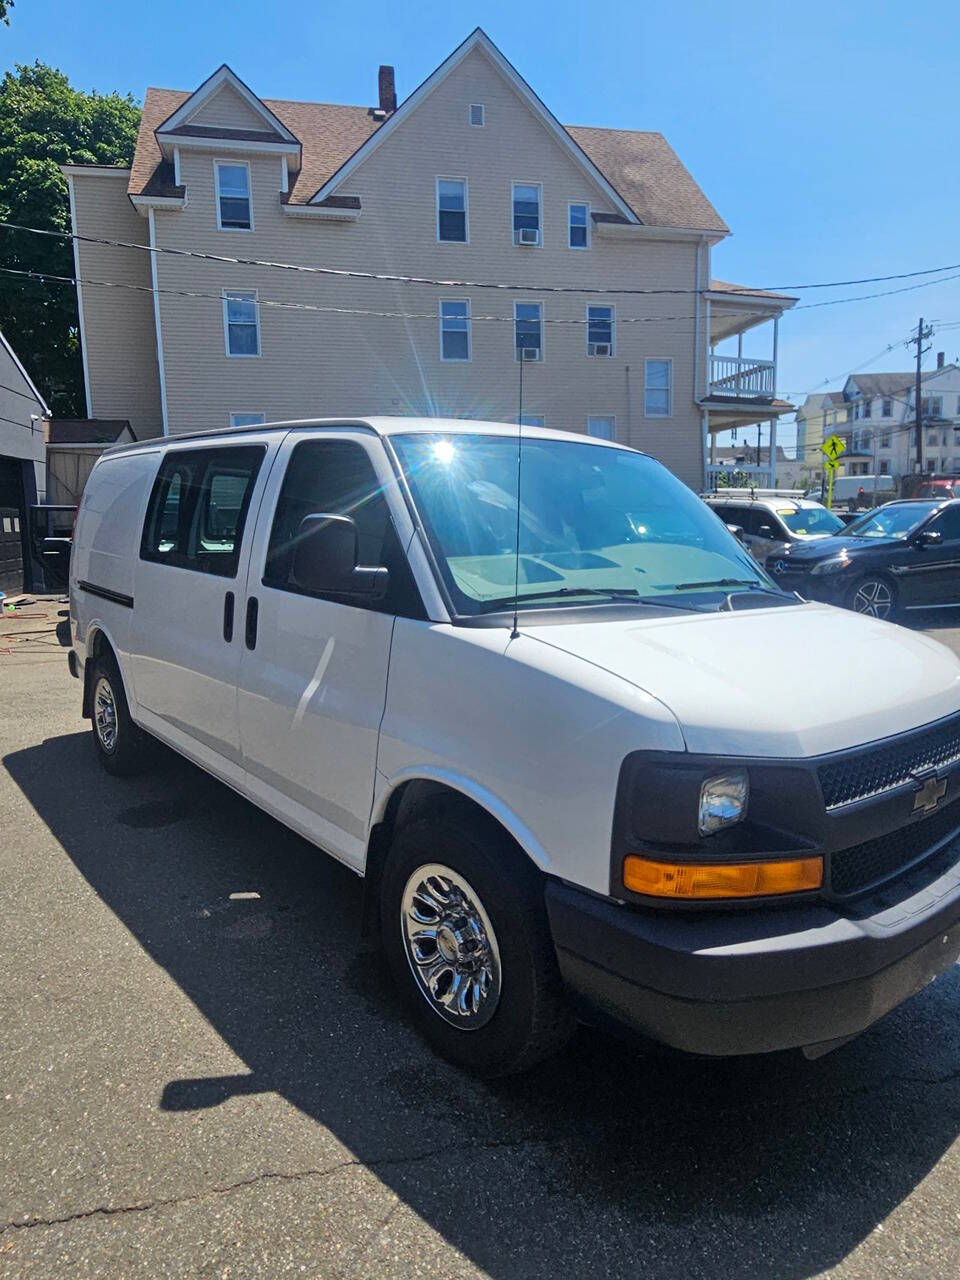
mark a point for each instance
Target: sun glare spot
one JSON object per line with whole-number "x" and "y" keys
{"x": 443, "y": 451}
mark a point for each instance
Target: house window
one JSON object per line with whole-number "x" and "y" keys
{"x": 233, "y": 197}
{"x": 885, "y": 440}
{"x": 931, "y": 465}
{"x": 599, "y": 331}
{"x": 931, "y": 406}
{"x": 884, "y": 467}
{"x": 532, "y": 420}
{"x": 454, "y": 330}
{"x": 477, "y": 115}
{"x": 887, "y": 408}
{"x": 604, "y": 428}
{"x": 527, "y": 331}
{"x": 658, "y": 388}
{"x": 933, "y": 438}
{"x": 526, "y": 213}
{"x": 579, "y": 224}
{"x": 241, "y": 322}
{"x": 247, "y": 419}
{"x": 848, "y": 414}
{"x": 452, "y": 210}
{"x": 868, "y": 408}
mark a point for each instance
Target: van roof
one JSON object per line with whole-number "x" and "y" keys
{"x": 381, "y": 425}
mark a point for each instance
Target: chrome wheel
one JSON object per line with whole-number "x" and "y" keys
{"x": 105, "y": 715}
{"x": 450, "y": 946}
{"x": 873, "y": 597}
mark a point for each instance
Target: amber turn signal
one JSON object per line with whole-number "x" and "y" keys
{"x": 688, "y": 880}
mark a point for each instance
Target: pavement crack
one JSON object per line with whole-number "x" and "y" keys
{"x": 296, "y": 1175}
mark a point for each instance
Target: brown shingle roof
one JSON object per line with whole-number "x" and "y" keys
{"x": 641, "y": 166}
{"x": 87, "y": 430}
{"x": 724, "y": 286}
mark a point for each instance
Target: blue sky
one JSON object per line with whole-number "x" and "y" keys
{"x": 824, "y": 133}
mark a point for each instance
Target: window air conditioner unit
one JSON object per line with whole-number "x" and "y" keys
{"x": 528, "y": 235}
{"x": 599, "y": 349}
{"x": 530, "y": 353}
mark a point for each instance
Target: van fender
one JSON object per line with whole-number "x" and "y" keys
{"x": 474, "y": 791}
{"x": 95, "y": 628}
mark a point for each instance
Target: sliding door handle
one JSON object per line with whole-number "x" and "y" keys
{"x": 250, "y": 630}
{"x": 228, "y": 617}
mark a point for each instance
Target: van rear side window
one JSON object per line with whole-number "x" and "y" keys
{"x": 198, "y": 508}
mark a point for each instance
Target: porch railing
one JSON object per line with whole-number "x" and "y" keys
{"x": 743, "y": 378}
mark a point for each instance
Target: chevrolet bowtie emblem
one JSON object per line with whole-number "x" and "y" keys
{"x": 930, "y": 794}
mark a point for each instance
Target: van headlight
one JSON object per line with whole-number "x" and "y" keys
{"x": 833, "y": 565}
{"x": 723, "y": 801}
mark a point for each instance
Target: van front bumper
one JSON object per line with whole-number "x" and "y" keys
{"x": 756, "y": 980}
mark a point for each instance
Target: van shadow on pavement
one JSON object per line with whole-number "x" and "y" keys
{"x": 612, "y": 1160}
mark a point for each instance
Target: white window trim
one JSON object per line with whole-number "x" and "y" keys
{"x": 605, "y": 417}
{"x": 248, "y": 413}
{"x": 454, "y": 359}
{"x": 524, "y": 182}
{"x": 448, "y": 177}
{"x": 483, "y": 115}
{"x": 241, "y": 355}
{"x": 236, "y": 164}
{"x": 660, "y": 360}
{"x": 583, "y": 204}
{"x": 613, "y": 332}
{"x": 530, "y": 302}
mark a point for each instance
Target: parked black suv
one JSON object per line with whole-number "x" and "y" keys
{"x": 903, "y": 555}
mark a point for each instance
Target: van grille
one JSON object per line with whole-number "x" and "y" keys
{"x": 864, "y": 865}
{"x": 861, "y": 774}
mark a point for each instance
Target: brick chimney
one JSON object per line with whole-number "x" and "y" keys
{"x": 939, "y": 359}
{"x": 388, "y": 90}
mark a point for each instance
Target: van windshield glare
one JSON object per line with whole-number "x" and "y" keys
{"x": 600, "y": 524}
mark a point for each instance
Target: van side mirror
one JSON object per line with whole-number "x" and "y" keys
{"x": 927, "y": 538}
{"x": 737, "y": 531}
{"x": 325, "y": 559}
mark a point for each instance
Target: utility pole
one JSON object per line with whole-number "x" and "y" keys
{"x": 922, "y": 335}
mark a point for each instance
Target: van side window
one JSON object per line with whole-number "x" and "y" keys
{"x": 336, "y": 477}
{"x": 198, "y": 508}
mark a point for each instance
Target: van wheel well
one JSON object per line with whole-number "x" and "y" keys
{"x": 411, "y": 800}
{"x": 100, "y": 649}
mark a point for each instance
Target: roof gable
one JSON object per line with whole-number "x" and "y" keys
{"x": 200, "y": 108}
{"x": 28, "y": 381}
{"x": 478, "y": 39}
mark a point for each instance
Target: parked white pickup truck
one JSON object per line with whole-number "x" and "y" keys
{"x": 589, "y": 758}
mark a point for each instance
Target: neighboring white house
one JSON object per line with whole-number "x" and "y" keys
{"x": 471, "y": 180}
{"x": 22, "y": 410}
{"x": 875, "y": 414}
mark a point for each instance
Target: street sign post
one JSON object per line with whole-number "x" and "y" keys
{"x": 832, "y": 449}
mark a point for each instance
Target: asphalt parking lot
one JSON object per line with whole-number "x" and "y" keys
{"x": 196, "y": 1083}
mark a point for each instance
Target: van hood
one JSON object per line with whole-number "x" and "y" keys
{"x": 790, "y": 681}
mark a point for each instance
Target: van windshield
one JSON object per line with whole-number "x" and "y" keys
{"x": 597, "y": 523}
{"x": 811, "y": 522}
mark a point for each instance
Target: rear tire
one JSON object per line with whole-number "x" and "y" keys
{"x": 121, "y": 746}
{"x": 465, "y": 931}
{"x": 875, "y": 597}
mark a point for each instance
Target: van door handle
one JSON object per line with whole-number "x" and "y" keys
{"x": 250, "y": 631}
{"x": 228, "y": 617}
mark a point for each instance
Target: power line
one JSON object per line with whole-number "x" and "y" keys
{"x": 390, "y": 277}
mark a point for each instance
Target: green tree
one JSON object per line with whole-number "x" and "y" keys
{"x": 45, "y": 122}
{"x": 5, "y": 7}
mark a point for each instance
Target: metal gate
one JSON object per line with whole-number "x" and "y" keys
{"x": 11, "y": 552}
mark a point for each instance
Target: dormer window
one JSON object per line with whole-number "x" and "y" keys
{"x": 233, "y": 197}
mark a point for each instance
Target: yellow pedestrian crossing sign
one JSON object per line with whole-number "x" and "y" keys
{"x": 833, "y": 446}
{"x": 830, "y": 464}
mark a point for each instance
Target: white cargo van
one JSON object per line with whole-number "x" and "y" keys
{"x": 618, "y": 775}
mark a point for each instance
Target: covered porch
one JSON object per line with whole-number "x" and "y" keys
{"x": 740, "y": 387}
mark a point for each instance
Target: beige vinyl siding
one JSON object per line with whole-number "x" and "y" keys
{"x": 227, "y": 110}
{"x": 323, "y": 364}
{"x": 118, "y": 326}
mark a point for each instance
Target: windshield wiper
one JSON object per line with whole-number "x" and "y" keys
{"x": 720, "y": 582}
{"x": 615, "y": 593}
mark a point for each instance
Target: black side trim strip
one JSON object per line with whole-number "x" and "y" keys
{"x": 117, "y": 597}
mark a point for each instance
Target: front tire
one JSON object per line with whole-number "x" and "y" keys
{"x": 120, "y": 745}
{"x": 465, "y": 930}
{"x": 874, "y": 596}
